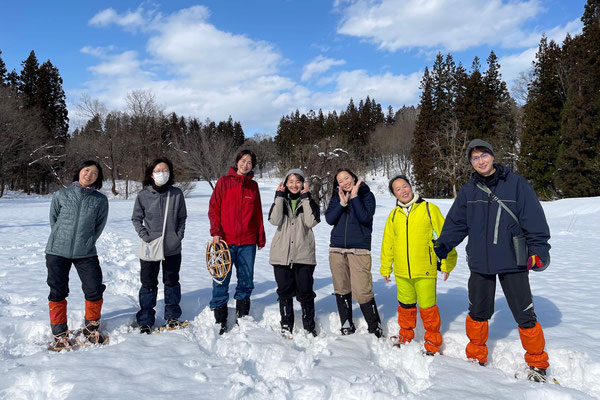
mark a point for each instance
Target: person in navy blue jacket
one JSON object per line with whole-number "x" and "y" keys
{"x": 351, "y": 211}
{"x": 499, "y": 211}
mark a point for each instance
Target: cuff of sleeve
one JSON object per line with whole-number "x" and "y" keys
{"x": 305, "y": 195}
{"x": 279, "y": 193}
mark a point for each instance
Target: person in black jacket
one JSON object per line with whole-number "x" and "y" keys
{"x": 503, "y": 218}
{"x": 351, "y": 211}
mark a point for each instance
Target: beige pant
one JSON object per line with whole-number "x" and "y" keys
{"x": 351, "y": 272}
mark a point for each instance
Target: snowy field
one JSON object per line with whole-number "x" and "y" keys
{"x": 253, "y": 361}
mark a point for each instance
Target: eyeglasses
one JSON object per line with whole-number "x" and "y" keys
{"x": 483, "y": 156}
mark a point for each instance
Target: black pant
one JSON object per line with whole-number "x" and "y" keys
{"x": 296, "y": 281}
{"x": 149, "y": 290}
{"x": 88, "y": 270}
{"x": 515, "y": 285}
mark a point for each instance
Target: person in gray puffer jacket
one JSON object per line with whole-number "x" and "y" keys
{"x": 294, "y": 213}
{"x": 77, "y": 217}
{"x": 148, "y": 218}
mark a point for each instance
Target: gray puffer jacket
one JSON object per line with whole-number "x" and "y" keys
{"x": 77, "y": 218}
{"x": 294, "y": 241}
{"x": 149, "y": 213}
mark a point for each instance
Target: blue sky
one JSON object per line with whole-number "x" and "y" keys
{"x": 257, "y": 60}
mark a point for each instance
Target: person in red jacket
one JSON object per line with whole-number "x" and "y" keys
{"x": 235, "y": 213}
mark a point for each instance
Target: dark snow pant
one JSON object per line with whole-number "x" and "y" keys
{"x": 298, "y": 282}
{"x": 90, "y": 274}
{"x": 149, "y": 289}
{"x": 243, "y": 259}
{"x": 295, "y": 282}
{"x": 515, "y": 285}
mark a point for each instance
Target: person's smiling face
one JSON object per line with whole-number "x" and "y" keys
{"x": 88, "y": 176}
{"x": 244, "y": 165}
{"x": 483, "y": 162}
{"x": 294, "y": 184}
{"x": 402, "y": 190}
{"x": 345, "y": 181}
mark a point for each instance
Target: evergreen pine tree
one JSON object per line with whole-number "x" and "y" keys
{"x": 2, "y": 70}
{"x": 421, "y": 153}
{"x": 28, "y": 79}
{"x": 578, "y": 172}
{"x": 541, "y": 121}
{"x": 50, "y": 97}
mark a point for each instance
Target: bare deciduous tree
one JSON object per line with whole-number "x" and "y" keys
{"x": 449, "y": 149}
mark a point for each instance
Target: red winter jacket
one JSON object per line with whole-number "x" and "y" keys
{"x": 235, "y": 210}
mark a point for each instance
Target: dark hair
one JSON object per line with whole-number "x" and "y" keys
{"x": 148, "y": 180}
{"x": 98, "y": 183}
{"x": 241, "y": 154}
{"x": 396, "y": 178}
{"x": 335, "y": 182}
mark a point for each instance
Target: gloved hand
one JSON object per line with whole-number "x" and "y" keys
{"x": 439, "y": 249}
{"x": 535, "y": 263}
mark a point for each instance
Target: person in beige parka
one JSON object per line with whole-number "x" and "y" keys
{"x": 292, "y": 255}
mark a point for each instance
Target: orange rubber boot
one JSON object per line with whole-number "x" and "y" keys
{"x": 407, "y": 319}
{"x": 93, "y": 310}
{"x": 58, "y": 316}
{"x": 432, "y": 323}
{"x": 533, "y": 342}
{"x": 477, "y": 332}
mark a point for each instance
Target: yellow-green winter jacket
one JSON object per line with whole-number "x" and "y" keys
{"x": 407, "y": 244}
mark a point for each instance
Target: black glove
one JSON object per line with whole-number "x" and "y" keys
{"x": 440, "y": 250}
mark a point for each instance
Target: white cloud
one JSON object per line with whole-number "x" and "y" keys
{"x": 318, "y": 66}
{"x": 130, "y": 20}
{"x": 512, "y": 65}
{"x": 451, "y": 24}
{"x": 195, "y": 69}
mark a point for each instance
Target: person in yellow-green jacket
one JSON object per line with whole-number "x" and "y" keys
{"x": 407, "y": 250}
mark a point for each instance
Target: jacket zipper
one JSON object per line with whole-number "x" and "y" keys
{"x": 76, "y": 226}
{"x": 346, "y": 232}
{"x": 407, "y": 247}
{"x": 487, "y": 225}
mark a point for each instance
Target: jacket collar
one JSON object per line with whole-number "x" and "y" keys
{"x": 233, "y": 173}
{"x": 500, "y": 174}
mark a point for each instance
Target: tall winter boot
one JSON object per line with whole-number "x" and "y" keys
{"x": 221, "y": 318}
{"x": 344, "y": 305}
{"x": 533, "y": 342}
{"x": 242, "y": 308}
{"x": 477, "y": 332}
{"x": 58, "y": 317}
{"x": 371, "y": 315}
{"x": 286, "y": 309}
{"x": 407, "y": 320}
{"x": 308, "y": 316}
{"x": 432, "y": 323}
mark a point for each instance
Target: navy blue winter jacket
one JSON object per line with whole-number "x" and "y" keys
{"x": 353, "y": 224}
{"x": 475, "y": 214}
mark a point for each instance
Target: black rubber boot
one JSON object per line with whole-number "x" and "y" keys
{"x": 371, "y": 315}
{"x": 308, "y": 317}
{"x": 286, "y": 309}
{"x": 344, "y": 304}
{"x": 221, "y": 318}
{"x": 242, "y": 308}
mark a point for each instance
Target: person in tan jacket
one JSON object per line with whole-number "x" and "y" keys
{"x": 292, "y": 255}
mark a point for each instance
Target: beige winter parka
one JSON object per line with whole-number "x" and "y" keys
{"x": 294, "y": 241}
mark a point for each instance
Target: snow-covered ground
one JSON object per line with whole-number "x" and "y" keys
{"x": 253, "y": 361}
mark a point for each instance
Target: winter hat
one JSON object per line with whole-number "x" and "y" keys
{"x": 296, "y": 171}
{"x": 478, "y": 143}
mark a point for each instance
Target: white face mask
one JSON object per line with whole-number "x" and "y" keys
{"x": 160, "y": 178}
